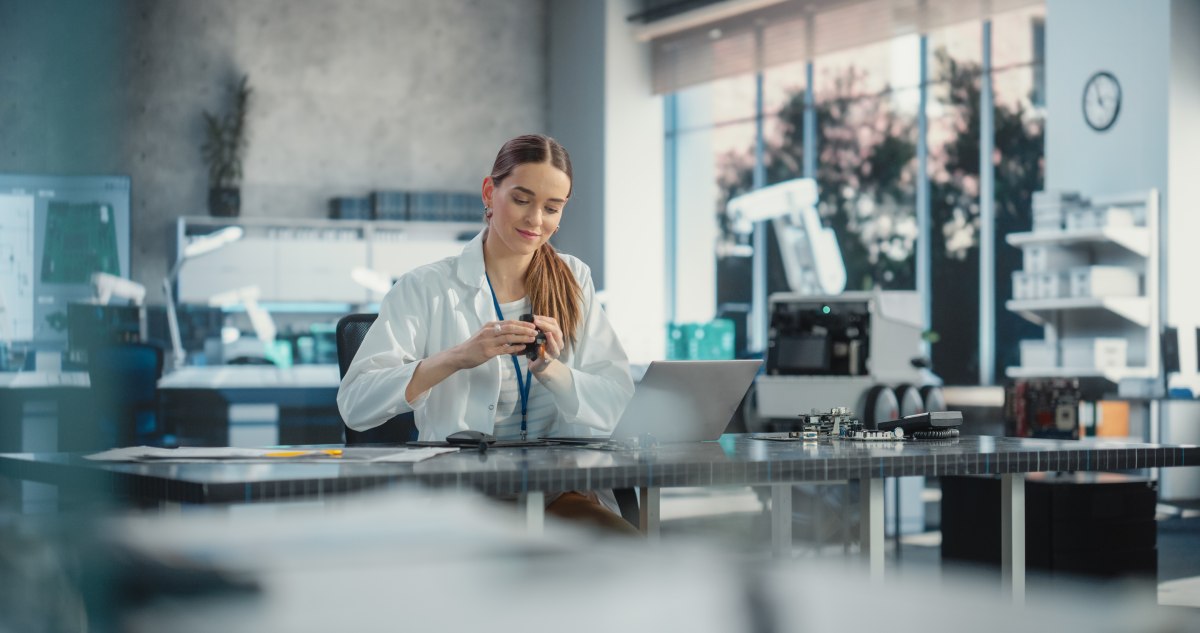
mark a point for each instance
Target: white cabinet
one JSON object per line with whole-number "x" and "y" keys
{"x": 310, "y": 261}
{"x": 318, "y": 270}
{"x": 1092, "y": 281}
{"x": 397, "y": 248}
{"x": 249, "y": 261}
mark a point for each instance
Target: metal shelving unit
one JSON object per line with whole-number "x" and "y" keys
{"x": 1137, "y": 319}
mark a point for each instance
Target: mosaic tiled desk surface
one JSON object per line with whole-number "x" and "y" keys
{"x": 733, "y": 460}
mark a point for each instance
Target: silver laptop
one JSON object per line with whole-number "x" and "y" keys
{"x": 684, "y": 400}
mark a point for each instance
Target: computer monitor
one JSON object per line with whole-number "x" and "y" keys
{"x": 55, "y": 231}
{"x": 197, "y": 324}
{"x": 1170, "y": 350}
{"x": 90, "y": 325}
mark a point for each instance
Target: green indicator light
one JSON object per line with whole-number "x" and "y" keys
{"x": 825, "y": 309}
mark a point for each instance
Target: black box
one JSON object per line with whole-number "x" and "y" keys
{"x": 1083, "y": 524}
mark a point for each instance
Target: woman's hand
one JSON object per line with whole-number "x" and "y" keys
{"x": 554, "y": 343}
{"x": 494, "y": 339}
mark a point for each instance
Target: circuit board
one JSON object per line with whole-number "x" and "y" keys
{"x": 80, "y": 239}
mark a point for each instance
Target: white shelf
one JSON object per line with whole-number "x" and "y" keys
{"x": 1135, "y": 239}
{"x": 312, "y": 260}
{"x": 327, "y": 223}
{"x": 1133, "y": 309}
{"x": 1112, "y": 375}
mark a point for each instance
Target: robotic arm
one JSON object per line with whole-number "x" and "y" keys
{"x": 260, "y": 319}
{"x": 107, "y": 286}
{"x": 812, "y": 258}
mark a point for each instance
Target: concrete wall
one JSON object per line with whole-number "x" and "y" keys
{"x": 348, "y": 96}
{"x": 575, "y": 68}
{"x": 602, "y": 108}
{"x": 59, "y": 65}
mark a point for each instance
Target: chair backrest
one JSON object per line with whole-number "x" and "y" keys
{"x": 124, "y": 388}
{"x": 349, "y": 335}
{"x": 350, "y": 332}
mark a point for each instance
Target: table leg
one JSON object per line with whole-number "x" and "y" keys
{"x": 781, "y": 519}
{"x": 871, "y": 527}
{"x": 535, "y": 511}
{"x": 649, "y": 500}
{"x": 896, "y": 522}
{"x": 1012, "y": 534}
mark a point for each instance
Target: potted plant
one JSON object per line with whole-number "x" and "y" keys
{"x": 223, "y": 150}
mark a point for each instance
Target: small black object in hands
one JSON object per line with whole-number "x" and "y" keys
{"x": 533, "y": 350}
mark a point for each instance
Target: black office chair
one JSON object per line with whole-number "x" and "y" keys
{"x": 349, "y": 336}
{"x": 124, "y": 388}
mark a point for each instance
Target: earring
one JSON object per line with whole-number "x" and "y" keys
{"x": 487, "y": 213}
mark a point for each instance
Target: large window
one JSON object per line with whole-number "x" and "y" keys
{"x": 955, "y": 129}
{"x": 714, "y": 123}
{"x": 867, "y": 102}
{"x": 866, "y": 106}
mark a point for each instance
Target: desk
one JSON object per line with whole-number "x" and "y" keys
{"x": 199, "y": 398}
{"x": 29, "y": 407}
{"x": 734, "y": 460}
{"x": 270, "y": 405}
{"x": 246, "y": 381}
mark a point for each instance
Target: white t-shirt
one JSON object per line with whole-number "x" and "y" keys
{"x": 541, "y": 409}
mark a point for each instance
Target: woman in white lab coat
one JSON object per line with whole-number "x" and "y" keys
{"x": 448, "y": 344}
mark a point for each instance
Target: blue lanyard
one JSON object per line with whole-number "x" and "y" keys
{"x": 522, "y": 385}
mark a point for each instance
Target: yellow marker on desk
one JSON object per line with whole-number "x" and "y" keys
{"x": 331, "y": 452}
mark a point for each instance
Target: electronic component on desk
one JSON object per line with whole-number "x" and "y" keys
{"x": 803, "y": 435}
{"x": 1047, "y": 408}
{"x": 826, "y": 423}
{"x": 928, "y": 421}
{"x": 866, "y": 435}
{"x": 835, "y": 422}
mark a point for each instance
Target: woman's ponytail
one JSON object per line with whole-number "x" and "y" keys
{"x": 554, "y": 292}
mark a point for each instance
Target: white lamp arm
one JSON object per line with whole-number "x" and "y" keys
{"x": 178, "y": 354}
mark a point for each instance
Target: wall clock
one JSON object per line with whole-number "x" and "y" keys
{"x": 1101, "y": 100}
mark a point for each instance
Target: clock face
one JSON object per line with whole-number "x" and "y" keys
{"x": 1101, "y": 101}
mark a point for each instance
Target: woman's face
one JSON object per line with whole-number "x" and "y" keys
{"x": 526, "y": 206}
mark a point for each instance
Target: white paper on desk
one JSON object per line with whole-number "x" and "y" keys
{"x": 416, "y": 454}
{"x": 141, "y": 453}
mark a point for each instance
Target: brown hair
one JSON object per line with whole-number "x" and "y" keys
{"x": 552, "y": 288}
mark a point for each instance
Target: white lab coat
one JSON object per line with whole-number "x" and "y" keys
{"x": 442, "y": 304}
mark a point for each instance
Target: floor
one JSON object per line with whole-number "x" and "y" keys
{"x": 738, "y": 517}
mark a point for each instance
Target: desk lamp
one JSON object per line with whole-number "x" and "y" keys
{"x": 195, "y": 247}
